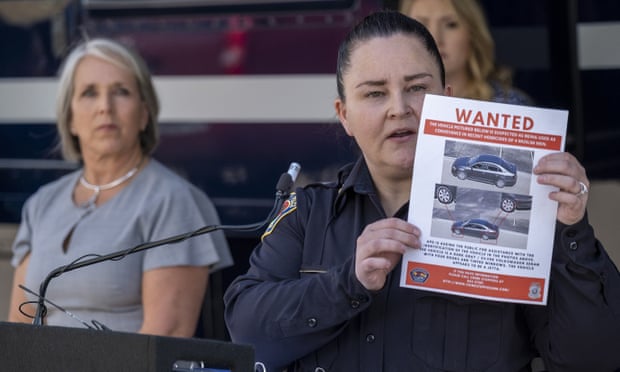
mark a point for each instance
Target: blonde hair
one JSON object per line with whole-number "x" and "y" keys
{"x": 120, "y": 55}
{"x": 481, "y": 67}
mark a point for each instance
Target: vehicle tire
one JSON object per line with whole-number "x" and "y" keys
{"x": 457, "y": 232}
{"x": 500, "y": 183}
{"x": 508, "y": 205}
{"x": 444, "y": 194}
{"x": 485, "y": 237}
{"x": 461, "y": 175}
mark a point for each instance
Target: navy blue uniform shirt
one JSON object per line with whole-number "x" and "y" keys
{"x": 301, "y": 306}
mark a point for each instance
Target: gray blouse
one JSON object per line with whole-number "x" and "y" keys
{"x": 156, "y": 204}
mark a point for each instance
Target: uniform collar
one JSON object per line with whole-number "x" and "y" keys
{"x": 355, "y": 179}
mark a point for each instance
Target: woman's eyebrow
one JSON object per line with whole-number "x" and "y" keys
{"x": 376, "y": 83}
{"x": 373, "y": 83}
{"x": 417, "y": 76}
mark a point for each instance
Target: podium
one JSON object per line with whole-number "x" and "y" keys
{"x": 25, "y": 347}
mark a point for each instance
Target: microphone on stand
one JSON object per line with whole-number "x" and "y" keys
{"x": 286, "y": 181}
{"x": 283, "y": 190}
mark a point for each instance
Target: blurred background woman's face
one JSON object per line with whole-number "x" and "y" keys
{"x": 449, "y": 31}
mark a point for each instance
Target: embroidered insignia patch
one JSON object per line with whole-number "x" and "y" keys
{"x": 419, "y": 275}
{"x": 288, "y": 207}
{"x": 535, "y": 291}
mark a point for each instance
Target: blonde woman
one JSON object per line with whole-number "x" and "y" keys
{"x": 467, "y": 48}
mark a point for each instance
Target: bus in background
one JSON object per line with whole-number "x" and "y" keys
{"x": 247, "y": 87}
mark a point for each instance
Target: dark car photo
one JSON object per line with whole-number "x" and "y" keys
{"x": 485, "y": 168}
{"x": 476, "y": 227}
{"x": 445, "y": 194}
{"x": 511, "y": 202}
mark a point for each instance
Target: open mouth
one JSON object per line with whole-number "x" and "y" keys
{"x": 402, "y": 133}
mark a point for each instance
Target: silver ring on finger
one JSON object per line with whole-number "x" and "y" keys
{"x": 583, "y": 189}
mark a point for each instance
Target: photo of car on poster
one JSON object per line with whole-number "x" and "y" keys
{"x": 483, "y": 195}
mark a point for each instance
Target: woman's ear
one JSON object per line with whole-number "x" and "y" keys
{"x": 341, "y": 112}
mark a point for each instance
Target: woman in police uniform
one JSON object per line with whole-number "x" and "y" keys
{"x": 322, "y": 292}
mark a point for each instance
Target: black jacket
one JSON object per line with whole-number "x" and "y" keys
{"x": 301, "y": 305}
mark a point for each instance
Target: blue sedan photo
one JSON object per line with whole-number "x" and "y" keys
{"x": 476, "y": 227}
{"x": 486, "y": 168}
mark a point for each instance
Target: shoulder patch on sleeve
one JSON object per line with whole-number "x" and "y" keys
{"x": 288, "y": 207}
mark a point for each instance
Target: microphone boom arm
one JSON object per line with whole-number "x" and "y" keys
{"x": 283, "y": 188}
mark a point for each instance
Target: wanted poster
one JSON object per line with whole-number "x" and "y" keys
{"x": 487, "y": 226}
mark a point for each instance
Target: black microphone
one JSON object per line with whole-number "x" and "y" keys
{"x": 283, "y": 190}
{"x": 287, "y": 180}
